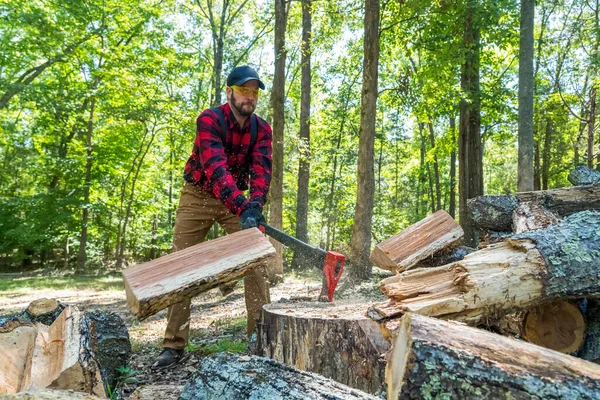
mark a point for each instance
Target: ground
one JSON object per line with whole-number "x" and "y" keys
{"x": 218, "y": 322}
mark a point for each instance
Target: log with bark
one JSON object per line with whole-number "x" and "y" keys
{"x": 49, "y": 394}
{"x": 333, "y": 340}
{"x": 435, "y": 234}
{"x": 529, "y": 216}
{"x": 155, "y": 285}
{"x": 584, "y": 176}
{"x": 495, "y": 212}
{"x": 431, "y": 358}
{"x": 559, "y": 262}
{"x": 77, "y": 351}
{"x": 228, "y": 376}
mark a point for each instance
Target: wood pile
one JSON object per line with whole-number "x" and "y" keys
{"x": 537, "y": 281}
{"x": 52, "y": 345}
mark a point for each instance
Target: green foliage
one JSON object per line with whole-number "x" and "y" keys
{"x": 125, "y": 375}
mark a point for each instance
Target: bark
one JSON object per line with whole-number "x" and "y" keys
{"x": 428, "y": 237}
{"x": 591, "y": 126}
{"x": 305, "y": 154}
{"x": 360, "y": 268}
{"x": 546, "y": 154}
{"x": 452, "y": 206}
{"x": 82, "y": 256}
{"x": 525, "y": 162}
{"x": 336, "y": 341}
{"x": 442, "y": 359}
{"x": 436, "y": 170}
{"x": 591, "y": 346}
{"x": 157, "y": 284}
{"x": 278, "y": 112}
{"x": 559, "y": 262}
{"x": 584, "y": 176}
{"x": 494, "y": 212}
{"x": 447, "y": 256}
{"x": 228, "y": 376}
{"x": 153, "y": 392}
{"x": 470, "y": 169}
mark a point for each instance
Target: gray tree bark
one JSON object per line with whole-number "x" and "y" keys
{"x": 525, "y": 163}
{"x": 360, "y": 267}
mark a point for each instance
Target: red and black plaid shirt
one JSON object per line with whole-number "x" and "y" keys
{"x": 224, "y": 169}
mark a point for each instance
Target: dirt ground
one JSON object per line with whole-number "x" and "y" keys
{"x": 217, "y": 322}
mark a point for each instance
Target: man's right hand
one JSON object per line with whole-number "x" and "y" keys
{"x": 251, "y": 216}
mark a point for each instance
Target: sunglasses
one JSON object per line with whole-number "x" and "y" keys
{"x": 246, "y": 91}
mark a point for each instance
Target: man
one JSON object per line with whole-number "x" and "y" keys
{"x": 232, "y": 148}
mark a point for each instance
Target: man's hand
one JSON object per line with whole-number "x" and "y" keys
{"x": 251, "y": 216}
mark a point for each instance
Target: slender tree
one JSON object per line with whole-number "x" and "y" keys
{"x": 525, "y": 162}
{"x": 361, "y": 231}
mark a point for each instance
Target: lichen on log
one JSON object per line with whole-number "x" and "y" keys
{"x": 583, "y": 175}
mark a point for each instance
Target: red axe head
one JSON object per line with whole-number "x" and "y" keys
{"x": 332, "y": 270}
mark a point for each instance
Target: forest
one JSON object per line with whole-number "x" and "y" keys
{"x": 382, "y": 113}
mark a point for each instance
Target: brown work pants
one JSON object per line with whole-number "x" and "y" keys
{"x": 196, "y": 214}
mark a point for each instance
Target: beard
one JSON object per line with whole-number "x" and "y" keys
{"x": 246, "y": 109}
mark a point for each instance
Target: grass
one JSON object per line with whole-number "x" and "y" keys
{"x": 27, "y": 284}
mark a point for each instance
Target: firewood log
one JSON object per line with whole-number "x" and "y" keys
{"x": 435, "y": 234}
{"x": 229, "y": 376}
{"x": 333, "y": 340}
{"x": 436, "y": 359}
{"x": 157, "y": 284}
{"x": 559, "y": 262}
{"x": 494, "y": 212}
{"x": 584, "y": 176}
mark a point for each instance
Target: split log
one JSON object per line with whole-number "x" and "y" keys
{"x": 229, "y": 376}
{"x": 431, "y": 358}
{"x": 584, "y": 176}
{"x": 559, "y": 262}
{"x": 155, "y": 285}
{"x": 49, "y": 394}
{"x": 434, "y": 234}
{"x": 529, "y": 216}
{"x": 445, "y": 257}
{"x": 494, "y": 212}
{"x": 333, "y": 340}
{"x": 78, "y": 351}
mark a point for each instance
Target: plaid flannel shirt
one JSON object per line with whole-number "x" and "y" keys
{"x": 224, "y": 169}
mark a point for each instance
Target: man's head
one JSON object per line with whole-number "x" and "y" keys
{"x": 243, "y": 86}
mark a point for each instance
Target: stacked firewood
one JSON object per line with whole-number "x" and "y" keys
{"x": 53, "y": 345}
{"x": 543, "y": 275}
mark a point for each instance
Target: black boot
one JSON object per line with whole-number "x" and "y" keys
{"x": 167, "y": 357}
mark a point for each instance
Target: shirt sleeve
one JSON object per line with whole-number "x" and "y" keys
{"x": 214, "y": 162}
{"x": 260, "y": 170}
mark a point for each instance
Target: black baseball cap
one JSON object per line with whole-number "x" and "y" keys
{"x": 240, "y": 75}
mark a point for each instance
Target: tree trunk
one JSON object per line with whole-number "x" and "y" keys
{"x": 305, "y": 154}
{"x": 436, "y": 170}
{"x": 469, "y": 142}
{"x": 336, "y": 341}
{"x": 82, "y": 256}
{"x": 442, "y": 359}
{"x": 360, "y": 267}
{"x": 591, "y": 126}
{"x": 452, "y": 206}
{"x": 526, "y": 270}
{"x": 278, "y": 112}
{"x": 525, "y": 163}
{"x": 546, "y": 155}
{"x": 231, "y": 376}
{"x": 494, "y": 212}
{"x": 537, "y": 168}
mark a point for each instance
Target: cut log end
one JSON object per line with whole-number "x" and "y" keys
{"x": 558, "y": 326}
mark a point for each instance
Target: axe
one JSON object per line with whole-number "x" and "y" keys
{"x": 330, "y": 262}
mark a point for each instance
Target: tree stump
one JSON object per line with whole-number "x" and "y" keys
{"x": 336, "y": 341}
{"x": 227, "y": 376}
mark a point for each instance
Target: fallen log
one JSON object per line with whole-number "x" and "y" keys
{"x": 153, "y": 392}
{"x": 333, "y": 340}
{"x": 157, "y": 284}
{"x": 559, "y": 262}
{"x": 591, "y": 346}
{"x": 435, "y": 234}
{"x": 529, "y": 216}
{"x": 229, "y": 376}
{"x": 78, "y": 351}
{"x": 49, "y": 394}
{"x": 431, "y": 358}
{"x": 584, "y": 176}
{"x": 494, "y": 212}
